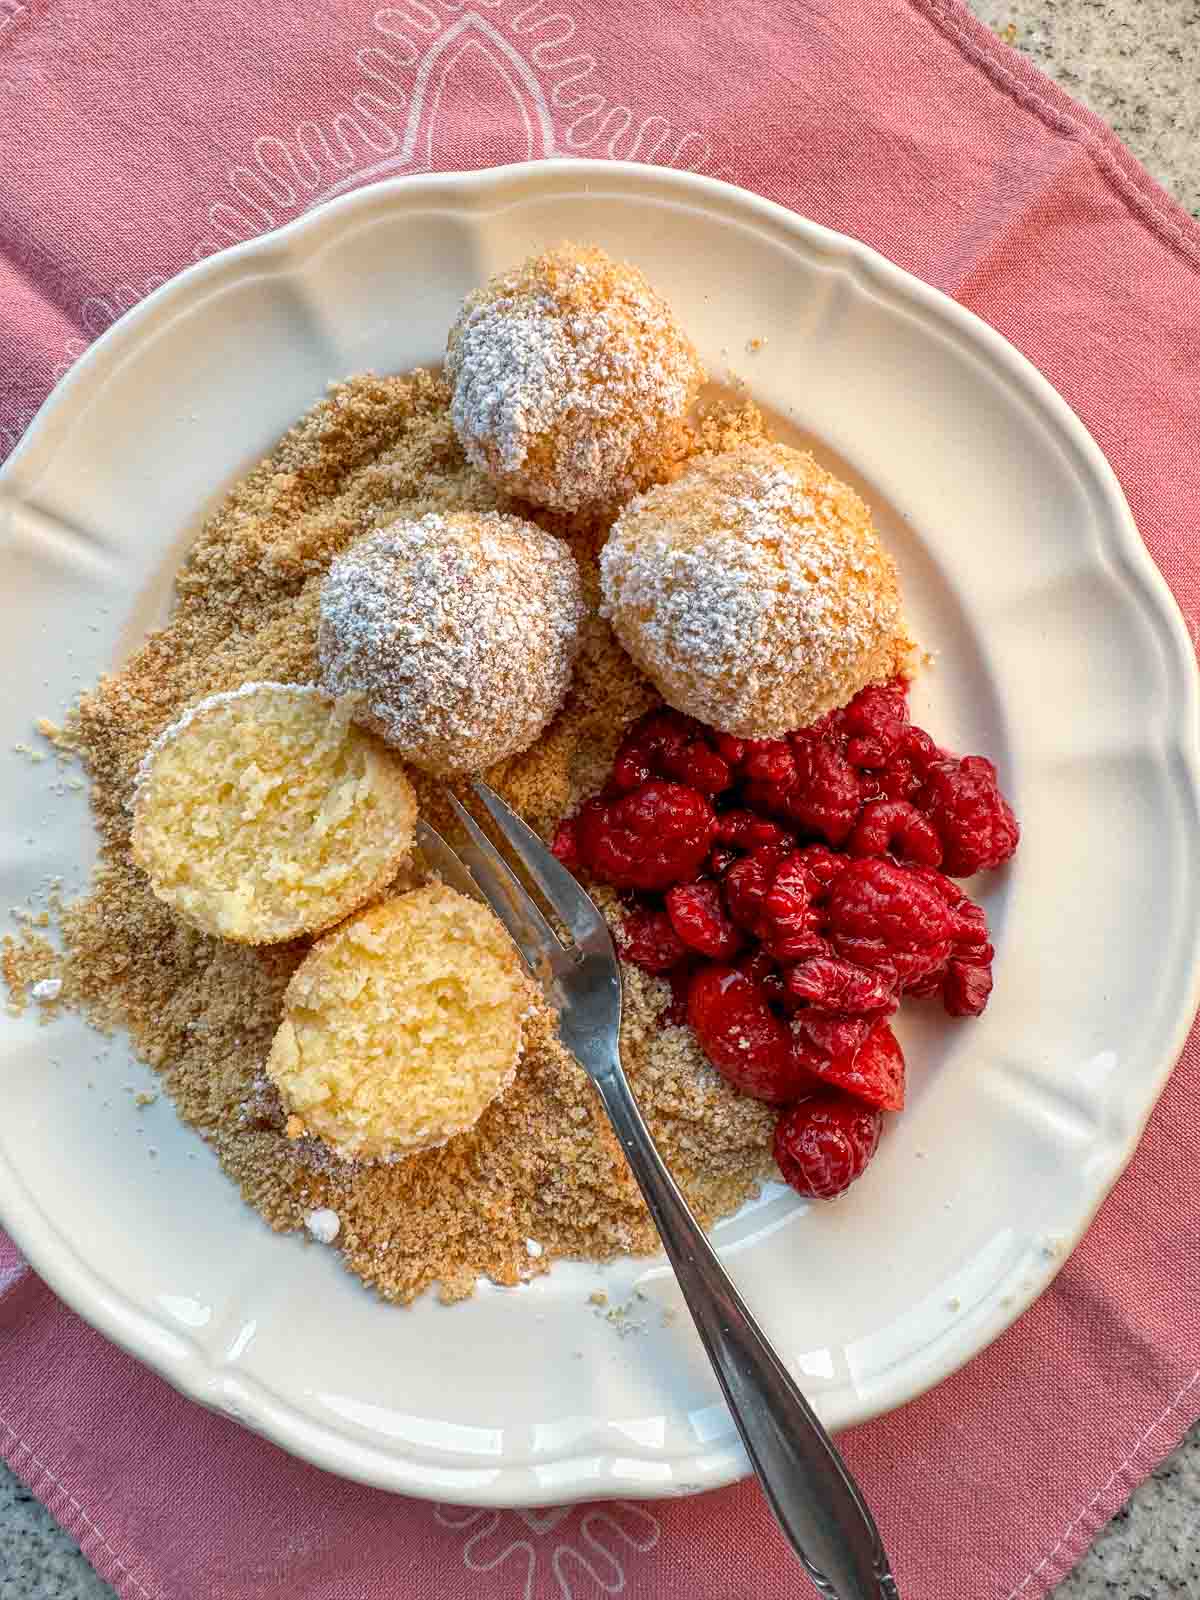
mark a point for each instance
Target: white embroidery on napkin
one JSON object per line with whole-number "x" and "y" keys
{"x": 391, "y": 121}
{"x": 597, "y": 1544}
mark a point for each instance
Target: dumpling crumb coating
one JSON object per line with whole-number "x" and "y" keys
{"x": 264, "y": 813}
{"x": 458, "y": 631}
{"x": 754, "y": 592}
{"x": 572, "y": 380}
{"x": 401, "y": 1026}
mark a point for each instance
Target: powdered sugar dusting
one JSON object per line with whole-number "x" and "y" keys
{"x": 570, "y": 378}
{"x": 459, "y": 631}
{"x": 754, "y": 591}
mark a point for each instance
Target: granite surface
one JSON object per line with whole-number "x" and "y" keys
{"x": 1136, "y": 63}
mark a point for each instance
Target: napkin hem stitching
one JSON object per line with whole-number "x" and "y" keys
{"x": 89, "y": 1525}
{"x": 1156, "y": 205}
{"x": 1106, "y": 1486}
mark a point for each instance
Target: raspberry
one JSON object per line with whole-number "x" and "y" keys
{"x": 971, "y": 940}
{"x": 757, "y": 964}
{"x": 701, "y": 766}
{"x": 720, "y": 859}
{"x": 970, "y": 920}
{"x": 790, "y": 924}
{"x": 823, "y": 1038}
{"x": 766, "y": 799}
{"x": 648, "y": 940}
{"x": 565, "y": 844}
{"x": 747, "y": 831}
{"x": 645, "y": 741}
{"x": 841, "y": 988}
{"x": 824, "y": 868}
{"x": 742, "y": 1036}
{"x": 893, "y": 827}
{"x": 966, "y": 981}
{"x": 966, "y": 989}
{"x": 823, "y": 940}
{"x": 919, "y": 750}
{"x": 873, "y": 1071}
{"x": 896, "y": 781}
{"x": 733, "y": 749}
{"x": 791, "y": 920}
{"x": 826, "y": 795}
{"x": 768, "y": 761}
{"x": 666, "y": 744}
{"x": 886, "y": 916}
{"x": 974, "y": 821}
{"x": 761, "y": 969}
{"x": 825, "y": 1142}
{"x": 828, "y": 727}
{"x": 675, "y": 1014}
{"x": 700, "y": 921}
{"x": 904, "y": 773}
{"x": 874, "y": 723}
{"x": 745, "y": 884}
{"x": 651, "y": 838}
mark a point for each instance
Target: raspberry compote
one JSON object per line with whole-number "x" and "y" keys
{"x": 792, "y": 891}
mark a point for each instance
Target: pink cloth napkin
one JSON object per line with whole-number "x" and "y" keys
{"x": 141, "y": 137}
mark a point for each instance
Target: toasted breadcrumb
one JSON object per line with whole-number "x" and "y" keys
{"x": 28, "y": 964}
{"x": 541, "y": 1163}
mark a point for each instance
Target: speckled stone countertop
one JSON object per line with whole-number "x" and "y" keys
{"x": 1136, "y": 63}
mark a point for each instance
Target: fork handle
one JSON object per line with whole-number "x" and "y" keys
{"x": 807, "y": 1485}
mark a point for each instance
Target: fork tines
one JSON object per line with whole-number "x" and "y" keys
{"x": 508, "y": 897}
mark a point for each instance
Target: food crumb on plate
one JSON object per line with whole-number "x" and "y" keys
{"x": 621, "y": 1318}
{"x": 323, "y": 1225}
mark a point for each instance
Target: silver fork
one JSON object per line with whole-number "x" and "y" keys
{"x": 805, "y": 1480}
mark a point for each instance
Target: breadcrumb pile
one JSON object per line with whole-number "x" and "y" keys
{"x": 541, "y": 1162}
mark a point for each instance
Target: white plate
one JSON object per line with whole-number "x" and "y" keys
{"x": 1059, "y": 653}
